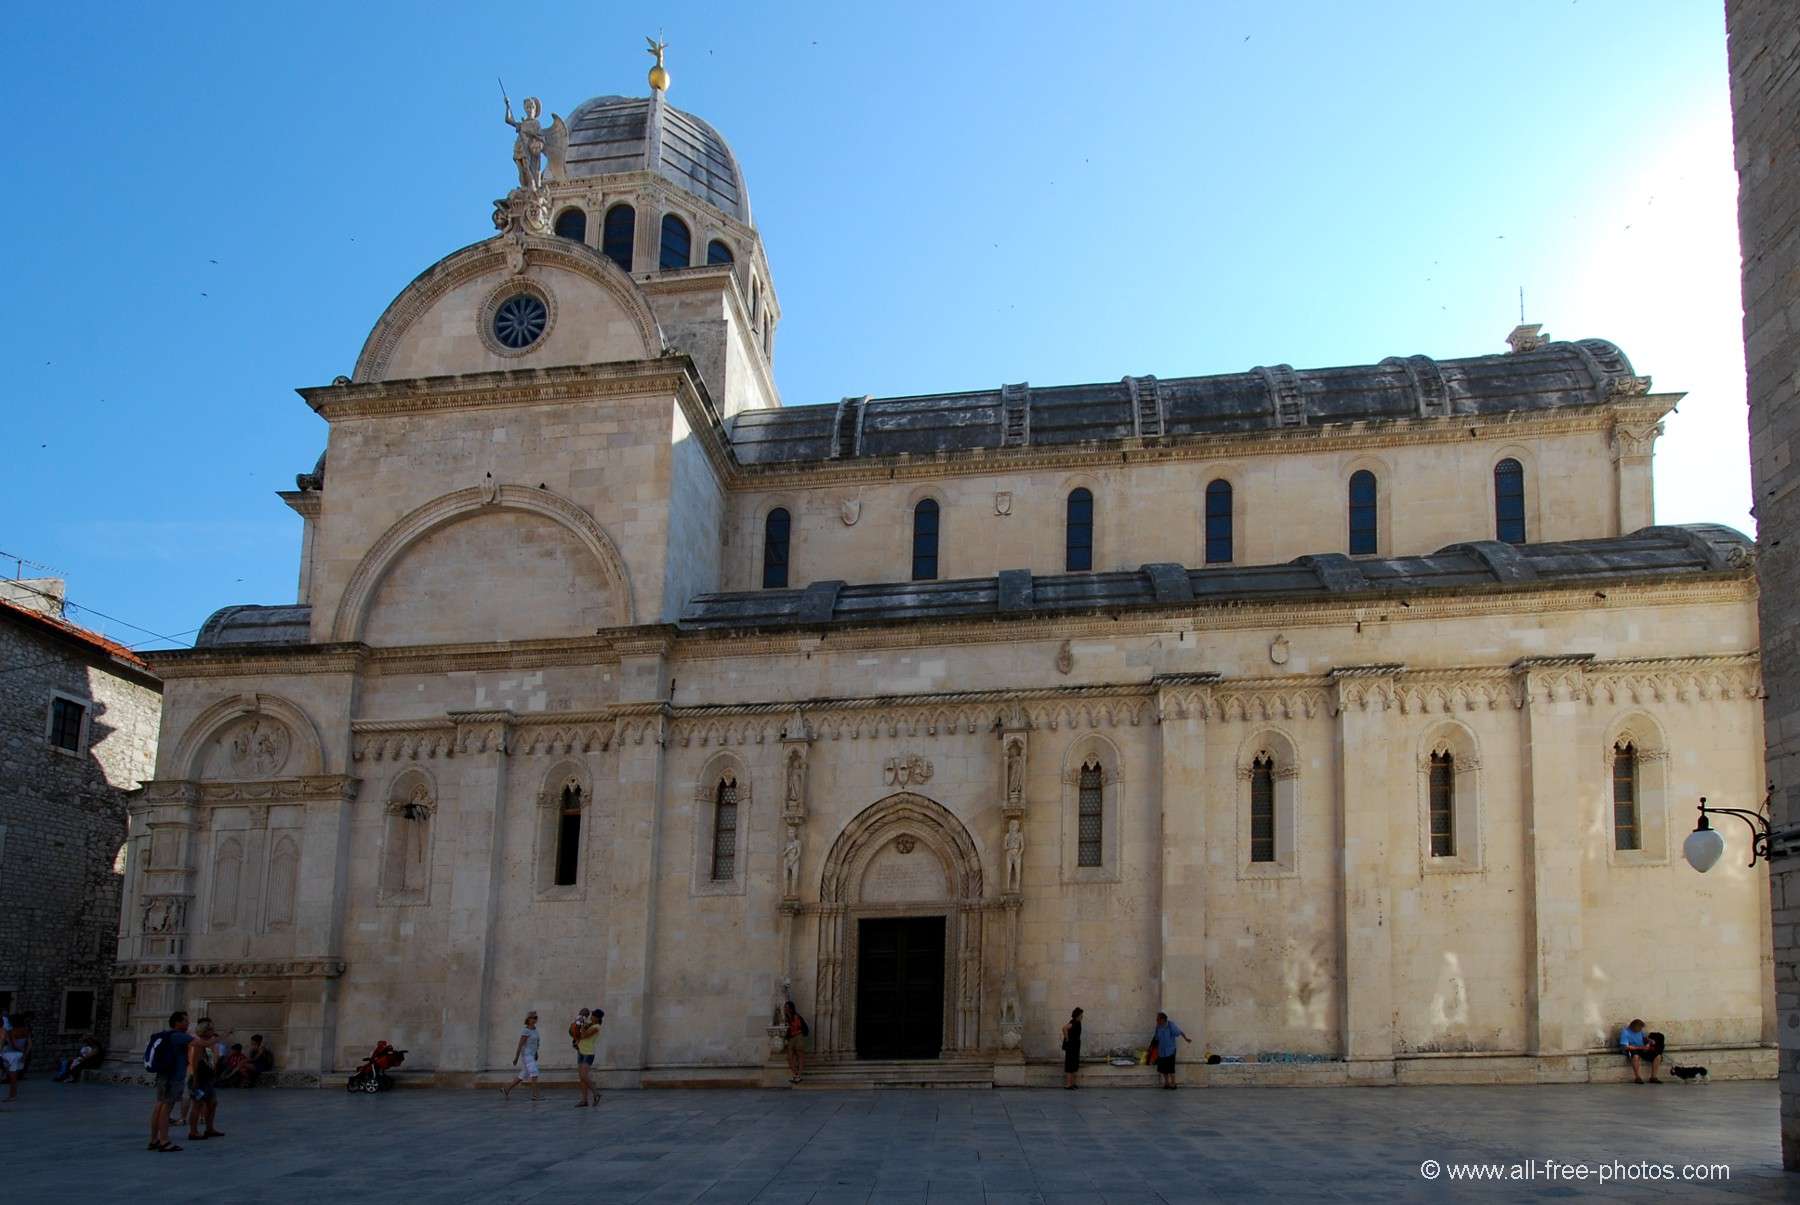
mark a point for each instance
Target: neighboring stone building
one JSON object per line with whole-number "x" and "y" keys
{"x": 78, "y": 724}
{"x": 1352, "y": 715}
{"x": 1764, "y": 45}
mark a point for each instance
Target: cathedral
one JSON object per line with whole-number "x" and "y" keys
{"x": 1353, "y": 716}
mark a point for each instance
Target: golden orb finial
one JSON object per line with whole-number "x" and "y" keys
{"x": 659, "y": 75}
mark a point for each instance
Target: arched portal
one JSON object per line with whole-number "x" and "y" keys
{"x": 902, "y": 871}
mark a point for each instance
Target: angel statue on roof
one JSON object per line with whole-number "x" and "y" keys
{"x": 534, "y": 142}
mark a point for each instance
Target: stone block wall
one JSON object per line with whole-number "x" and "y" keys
{"x": 1764, "y": 46}
{"x": 62, "y": 825}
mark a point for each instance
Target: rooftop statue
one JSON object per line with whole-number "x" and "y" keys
{"x": 534, "y": 143}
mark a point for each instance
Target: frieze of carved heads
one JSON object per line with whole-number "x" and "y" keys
{"x": 259, "y": 747}
{"x": 296, "y": 968}
{"x": 905, "y": 770}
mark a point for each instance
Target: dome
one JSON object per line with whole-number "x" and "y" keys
{"x": 630, "y": 134}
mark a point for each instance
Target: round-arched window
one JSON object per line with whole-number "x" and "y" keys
{"x": 519, "y": 321}
{"x": 572, "y": 223}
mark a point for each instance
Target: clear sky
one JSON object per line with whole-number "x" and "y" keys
{"x": 208, "y": 206}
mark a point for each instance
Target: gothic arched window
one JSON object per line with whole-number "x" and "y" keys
{"x": 1362, "y": 513}
{"x": 1262, "y": 809}
{"x": 775, "y": 549}
{"x": 1509, "y": 501}
{"x": 1443, "y": 805}
{"x": 1218, "y": 522}
{"x": 725, "y": 824}
{"x": 1078, "y": 552}
{"x": 925, "y": 541}
{"x": 568, "y": 837}
{"x": 572, "y": 223}
{"x": 1625, "y": 797}
{"x": 677, "y": 244}
{"x": 617, "y": 235}
{"x": 1090, "y": 812}
{"x": 718, "y": 253}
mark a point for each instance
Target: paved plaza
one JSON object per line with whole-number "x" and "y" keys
{"x": 920, "y": 1146}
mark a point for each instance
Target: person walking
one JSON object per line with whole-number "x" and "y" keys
{"x": 1166, "y": 1033}
{"x": 203, "y": 1086}
{"x": 1071, "y": 1047}
{"x": 795, "y": 1044}
{"x": 167, "y": 1059}
{"x": 587, "y": 1034}
{"x": 528, "y": 1051}
{"x": 15, "y": 1047}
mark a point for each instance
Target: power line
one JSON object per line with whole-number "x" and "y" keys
{"x": 90, "y": 610}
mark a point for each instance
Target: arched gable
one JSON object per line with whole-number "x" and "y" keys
{"x": 603, "y": 314}
{"x": 249, "y": 736}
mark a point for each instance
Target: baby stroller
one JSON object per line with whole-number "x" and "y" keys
{"x": 373, "y": 1075}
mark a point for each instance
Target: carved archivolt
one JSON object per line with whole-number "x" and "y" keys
{"x": 905, "y": 814}
{"x": 353, "y": 607}
{"x": 261, "y": 735}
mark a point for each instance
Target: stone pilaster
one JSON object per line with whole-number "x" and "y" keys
{"x": 631, "y": 873}
{"x": 1369, "y": 762}
{"x": 1183, "y": 709}
{"x": 320, "y": 897}
{"x": 1633, "y": 447}
{"x": 1553, "y": 716}
{"x": 1015, "y": 750}
{"x": 475, "y": 812}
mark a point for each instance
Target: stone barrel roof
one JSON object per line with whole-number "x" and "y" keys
{"x": 1654, "y": 553}
{"x": 1582, "y": 373}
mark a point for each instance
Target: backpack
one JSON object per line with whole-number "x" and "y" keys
{"x": 159, "y": 1055}
{"x": 805, "y": 1029}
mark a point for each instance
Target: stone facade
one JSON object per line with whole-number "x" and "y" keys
{"x": 63, "y": 814}
{"x": 1764, "y": 45}
{"x": 532, "y": 738}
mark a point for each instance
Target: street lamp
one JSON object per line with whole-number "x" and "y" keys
{"x": 1704, "y": 845}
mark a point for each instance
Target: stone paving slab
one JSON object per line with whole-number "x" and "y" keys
{"x": 904, "y": 1147}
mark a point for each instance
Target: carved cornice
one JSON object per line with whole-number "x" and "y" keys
{"x": 262, "y": 661}
{"x": 313, "y": 788}
{"x": 1268, "y": 441}
{"x": 503, "y": 655}
{"x": 292, "y": 968}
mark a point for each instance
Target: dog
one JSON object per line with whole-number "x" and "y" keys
{"x": 1687, "y": 1073}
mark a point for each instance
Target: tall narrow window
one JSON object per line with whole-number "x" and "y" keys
{"x": 1078, "y": 554}
{"x": 1509, "y": 501}
{"x": 1090, "y": 814}
{"x": 1443, "y": 805}
{"x": 1362, "y": 513}
{"x": 1262, "y": 809}
{"x": 755, "y": 300}
{"x": 1625, "y": 797}
{"x": 568, "y": 837}
{"x": 775, "y": 549}
{"x": 617, "y": 235}
{"x": 718, "y": 253}
{"x": 925, "y": 541}
{"x": 677, "y": 244}
{"x": 572, "y": 223}
{"x": 1218, "y": 523}
{"x": 725, "y": 823}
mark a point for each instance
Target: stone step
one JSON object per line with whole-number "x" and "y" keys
{"x": 899, "y": 1073}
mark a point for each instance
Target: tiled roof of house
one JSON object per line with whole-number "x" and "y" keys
{"x": 64, "y": 628}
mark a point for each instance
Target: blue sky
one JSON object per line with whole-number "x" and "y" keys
{"x": 209, "y": 206}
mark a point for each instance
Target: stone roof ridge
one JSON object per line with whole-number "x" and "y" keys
{"x": 1546, "y": 377}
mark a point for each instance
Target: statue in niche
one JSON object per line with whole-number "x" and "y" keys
{"x": 796, "y": 780}
{"x": 1015, "y": 772}
{"x": 533, "y": 143}
{"x": 790, "y": 863}
{"x": 1015, "y": 856}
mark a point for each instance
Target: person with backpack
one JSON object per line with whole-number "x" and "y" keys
{"x": 797, "y": 1033}
{"x": 166, "y": 1057}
